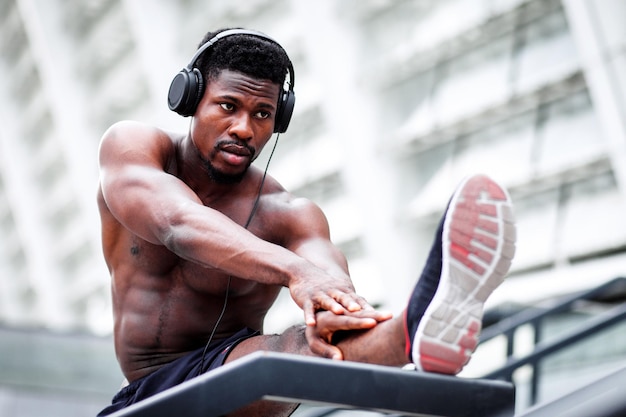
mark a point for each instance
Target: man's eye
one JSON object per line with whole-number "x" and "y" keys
{"x": 263, "y": 114}
{"x": 227, "y": 106}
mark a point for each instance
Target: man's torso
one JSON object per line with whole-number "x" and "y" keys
{"x": 165, "y": 306}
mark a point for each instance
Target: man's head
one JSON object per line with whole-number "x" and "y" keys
{"x": 234, "y": 88}
{"x": 252, "y": 55}
{"x": 248, "y": 52}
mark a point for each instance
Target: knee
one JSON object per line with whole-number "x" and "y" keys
{"x": 292, "y": 340}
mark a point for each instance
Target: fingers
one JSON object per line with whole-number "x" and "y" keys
{"x": 331, "y": 303}
{"x": 309, "y": 313}
{"x": 320, "y": 346}
{"x": 379, "y": 316}
{"x": 363, "y": 303}
{"x": 341, "y": 300}
{"x": 350, "y": 302}
{"x": 356, "y": 306}
{"x": 344, "y": 300}
{"x": 362, "y": 318}
{"x": 329, "y": 323}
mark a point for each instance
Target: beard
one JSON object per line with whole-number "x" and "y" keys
{"x": 222, "y": 177}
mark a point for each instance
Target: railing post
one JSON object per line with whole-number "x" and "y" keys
{"x": 536, "y": 365}
{"x": 510, "y": 342}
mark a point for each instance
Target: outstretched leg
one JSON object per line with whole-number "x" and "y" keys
{"x": 383, "y": 345}
{"x": 472, "y": 252}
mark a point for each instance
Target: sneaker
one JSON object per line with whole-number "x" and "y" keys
{"x": 472, "y": 253}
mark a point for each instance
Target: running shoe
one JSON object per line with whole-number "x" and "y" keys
{"x": 470, "y": 257}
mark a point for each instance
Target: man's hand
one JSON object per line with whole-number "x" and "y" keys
{"x": 325, "y": 292}
{"x": 321, "y": 334}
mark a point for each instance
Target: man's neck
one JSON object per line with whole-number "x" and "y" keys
{"x": 193, "y": 172}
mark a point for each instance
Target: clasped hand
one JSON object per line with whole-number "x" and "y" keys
{"x": 320, "y": 335}
{"x": 329, "y": 311}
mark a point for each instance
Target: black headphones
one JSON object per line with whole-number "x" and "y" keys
{"x": 187, "y": 86}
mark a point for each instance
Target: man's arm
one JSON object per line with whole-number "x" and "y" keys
{"x": 163, "y": 210}
{"x": 310, "y": 238}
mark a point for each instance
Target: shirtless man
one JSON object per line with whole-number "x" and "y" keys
{"x": 199, "y": 242}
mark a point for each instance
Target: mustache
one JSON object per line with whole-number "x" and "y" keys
{"x": 236, "y": 146}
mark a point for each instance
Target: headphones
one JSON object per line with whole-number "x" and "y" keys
{"x": 187, "y": 86}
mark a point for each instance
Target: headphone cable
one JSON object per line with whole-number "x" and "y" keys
{"x": 252, "y": 212}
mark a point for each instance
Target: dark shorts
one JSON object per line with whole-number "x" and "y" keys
{"x": 172, "y": 374}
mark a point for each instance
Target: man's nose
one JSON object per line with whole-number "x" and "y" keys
{"x": 241, "y": 126}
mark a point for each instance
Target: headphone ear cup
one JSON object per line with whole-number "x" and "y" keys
{"x": 186, "y": 91}
{"x": 199, "y": 90}
{"x": 284, "y": 112}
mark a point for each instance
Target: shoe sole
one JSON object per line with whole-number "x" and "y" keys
{"x": 478, "y": 245}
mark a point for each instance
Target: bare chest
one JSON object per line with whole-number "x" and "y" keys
{"x": 159, "y": 263}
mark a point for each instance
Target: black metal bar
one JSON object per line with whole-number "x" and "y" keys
{"x": 536, "y": 365}
{"x": 588, "y": 329}
{"x": 510, "y": 342}
{"x": 292, "y": 378}
{"x": 526, "y": 316}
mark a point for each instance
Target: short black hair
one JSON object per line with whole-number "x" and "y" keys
{"x": 249, "y": 54}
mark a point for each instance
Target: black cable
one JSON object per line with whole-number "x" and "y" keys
{"x": 252, "y": 212}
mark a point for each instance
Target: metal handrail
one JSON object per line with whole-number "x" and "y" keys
{"x": 294, "y": 378}
{"x": 534, "y": 317}
{"x": 509, "y": 324}
{"x": 591, "y": 327}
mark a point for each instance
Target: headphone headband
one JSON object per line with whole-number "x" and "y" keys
{"x": 187, "y": 87}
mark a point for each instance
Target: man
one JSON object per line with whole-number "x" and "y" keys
{"x": 199, "y": 242}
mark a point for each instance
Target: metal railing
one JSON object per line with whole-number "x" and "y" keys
{"x": 348, "y": 385}
{"x": 291, "y": 378}
{"x": 535, "y": 318}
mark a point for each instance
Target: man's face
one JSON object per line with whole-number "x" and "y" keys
{"x": 233, "y": 122}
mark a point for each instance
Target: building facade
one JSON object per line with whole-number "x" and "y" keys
{"x": 397, "y": 101}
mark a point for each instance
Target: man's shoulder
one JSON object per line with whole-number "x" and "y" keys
{"x": 134, "y": 130}
{"x": 291, "y": 218}
{"x": 273, "y": 192}
{"x": 131, "y": 137}
{"x": 277, "y": 199}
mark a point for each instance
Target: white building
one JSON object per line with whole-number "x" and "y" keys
{"x": 396, "y": 102}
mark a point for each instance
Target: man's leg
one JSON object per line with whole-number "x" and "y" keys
{"x": 472, "y": 252}
{"x": 292, "y": 340}
{"x": 383, "y": 345}
{"x": 439, "y": 330}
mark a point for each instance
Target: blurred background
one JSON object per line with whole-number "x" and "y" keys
{"x": 397, "y": 101}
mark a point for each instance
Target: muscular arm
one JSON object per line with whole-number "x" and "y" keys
{"x": 311, "y": 240}
{"x": 314, "y": 244}
{"x": 163, "y": 210}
